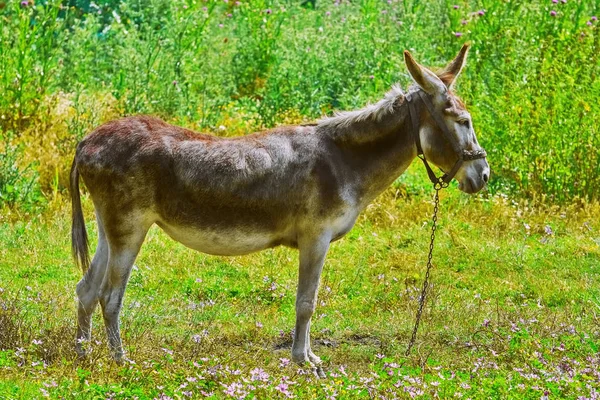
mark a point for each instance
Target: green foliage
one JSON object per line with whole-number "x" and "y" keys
{"x": 17, "y": 184}
{"x": 531, "y": 82}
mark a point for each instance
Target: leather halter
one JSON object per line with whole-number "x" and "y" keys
{"x": 463, "y": 154}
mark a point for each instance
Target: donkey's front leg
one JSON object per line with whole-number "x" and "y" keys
{"x": 312, "y": 255}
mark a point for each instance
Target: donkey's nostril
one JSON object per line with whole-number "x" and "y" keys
{"x": 485, "y": 177}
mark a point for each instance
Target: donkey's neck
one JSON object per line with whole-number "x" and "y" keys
{"x": 377, "y": 143}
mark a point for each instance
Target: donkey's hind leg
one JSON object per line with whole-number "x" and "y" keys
{"x": 123, "y": 249}
{"x": 88, "y": 290}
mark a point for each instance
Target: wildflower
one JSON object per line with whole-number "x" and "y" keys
{"x": 268, "y": 11}
{"x": 196, "y": 338}
{"x": 174, "y": 83}
{"x": 594, "y": 18}
{"x": 36, "y": 342}
{"x": 555, "y": 1}
{"x": 229, "y": 15}
{"x": 456, "y": 6}
{"x": 589, "y": 23}
{"x": 548, "y": 230}
{"x": 258, "y": 374}
{"x": 327, "y": 14}
{"x": 481, "y": 12}
{"x": 372, "y": 77}
{"x": 553, "y": 13}
{"x": 458, "y": 34}
{"x": 380, "y": 356}
{"x": 283, "y": 388}
{"x": 486, "y": 323}
{"x": 221, "y": 25}
{"x": 284, "y": 362}
{"x": 545, "y": 396}
{"x": 259, "y": 325}
{"x": 464, "y": 22}
{"x": 527, "y": 227}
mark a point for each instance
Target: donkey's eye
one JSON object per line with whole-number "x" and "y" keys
{"x": 464, "y": 122}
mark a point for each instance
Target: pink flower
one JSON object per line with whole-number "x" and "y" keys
{"x": 327, "y": 14}
{"x": 372, "y": 77}
{"x": 464, "y": 22}
{"x": 555, "y": 1}
{"x": 174, "y": 83}
{"x": 594, "y": 18}
{"x": 481, "y": 12}
{"x": 24, "y": 3}
{"x": 553, "y": 13}
{"x": 268, "y": 11}
{"x": 456, "y": 6}
{"x": 458, "y": 34}
{"x": 284, "y": 362}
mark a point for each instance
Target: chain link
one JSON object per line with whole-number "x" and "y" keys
{"x": 440, "y": 184}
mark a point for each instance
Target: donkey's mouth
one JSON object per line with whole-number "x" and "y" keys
{"x": 469, "y": 186}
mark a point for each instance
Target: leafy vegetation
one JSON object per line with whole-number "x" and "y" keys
{"x": 236, "y": 66}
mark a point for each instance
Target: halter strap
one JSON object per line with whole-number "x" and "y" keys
{"x": 462, "y": 154}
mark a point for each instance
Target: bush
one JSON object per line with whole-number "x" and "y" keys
{"x": 18, "y": 185}
{"x": 530, "y": 84}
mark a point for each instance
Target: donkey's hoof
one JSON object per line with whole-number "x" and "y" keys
{"x": 319, "y": 372}
{"x": 314, "y": 358}
{"x": 82, "y": 349}
{"x": 121, "y": 359}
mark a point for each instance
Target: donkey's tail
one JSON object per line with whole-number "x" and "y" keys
{"x": 79, "y": 238}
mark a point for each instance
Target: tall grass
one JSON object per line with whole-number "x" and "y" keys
{"x": 531, "y": 82}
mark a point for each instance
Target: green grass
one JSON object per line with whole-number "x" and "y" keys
{"x": 513, "y": 311}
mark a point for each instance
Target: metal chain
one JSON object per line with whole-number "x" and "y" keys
{"x": 437, "y": 186}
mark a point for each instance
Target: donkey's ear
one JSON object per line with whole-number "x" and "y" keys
{"x": 426, "y": 79}
{"x": 449, "y": 74}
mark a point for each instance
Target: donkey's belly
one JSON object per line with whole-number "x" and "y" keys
{"x": 229, "y": 242}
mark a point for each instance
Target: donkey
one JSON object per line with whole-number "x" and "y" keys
{"x": 297, "y": 186}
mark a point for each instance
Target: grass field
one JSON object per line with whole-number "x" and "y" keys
{"x": 510, "y": 315}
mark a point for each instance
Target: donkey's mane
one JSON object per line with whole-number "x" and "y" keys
{"x": 372, "y": 112}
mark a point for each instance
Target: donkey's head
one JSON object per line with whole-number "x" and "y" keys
{"x": 437, "y": 146}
